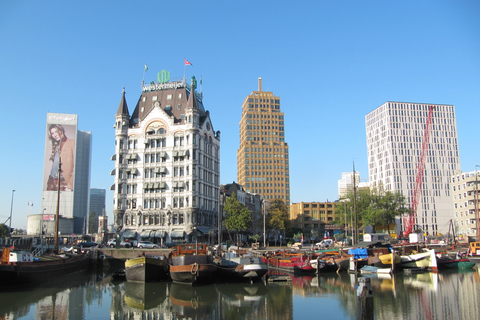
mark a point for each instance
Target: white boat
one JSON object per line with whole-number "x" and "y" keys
{"x": 238, "y": 265}
{"x": 426, "y": 259}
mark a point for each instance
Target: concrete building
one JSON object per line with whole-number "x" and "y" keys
{"x": 314, "y": 218}
{"x": 96, "y": 208}
{"x": 395, "y": 133}
{"x": 465, "y": 203}
{"x": 345, "y": 185}
{"x": 262, "y": 157}
{"x": 167, "y": 165}
{"x": 70, "y": 147}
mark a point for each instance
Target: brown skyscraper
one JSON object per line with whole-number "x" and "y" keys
{"x": 262, "y": 158}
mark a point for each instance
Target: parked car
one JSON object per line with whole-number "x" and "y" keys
{"x": 85, "y": 244}
{"x": 112, "y": 243}
{"x": 324, "y": 244}
{"x": 147, "y": 244}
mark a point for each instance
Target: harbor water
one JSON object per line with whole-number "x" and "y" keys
{"x": 95, "y": 295}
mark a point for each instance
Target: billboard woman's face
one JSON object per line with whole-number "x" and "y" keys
{"x": 56, "y": 134}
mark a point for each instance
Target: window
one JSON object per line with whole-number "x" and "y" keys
{"x": 169, "y": 97}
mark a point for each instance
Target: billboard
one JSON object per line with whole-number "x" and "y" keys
{"x": 60, "y": 149}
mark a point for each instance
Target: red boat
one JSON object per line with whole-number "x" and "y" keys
{"x": 293, "y": 262}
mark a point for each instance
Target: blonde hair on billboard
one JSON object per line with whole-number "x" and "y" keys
{"x": 56, "y": 144}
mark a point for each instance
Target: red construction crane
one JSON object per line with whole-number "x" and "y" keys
{"x": 409, "y": 220}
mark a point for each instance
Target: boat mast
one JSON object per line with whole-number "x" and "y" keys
{"x": 355, "y": 205}
{"x": 58, "y": 206}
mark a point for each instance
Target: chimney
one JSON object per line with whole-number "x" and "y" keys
{"x": 259, "y": 83}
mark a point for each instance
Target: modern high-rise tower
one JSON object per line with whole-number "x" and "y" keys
{"x": 167, "y": 165}
{"x": 96, "y": 208}
{"x": 262, "y": 158}
{"x": 395, "y": 132}
{"x": 72, "y": 148}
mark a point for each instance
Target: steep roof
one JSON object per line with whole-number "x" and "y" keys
{"x": 122, "y": 108}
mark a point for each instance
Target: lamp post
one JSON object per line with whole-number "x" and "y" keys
{"x": 264, "y": 234}
{"x": 10, "y": 219}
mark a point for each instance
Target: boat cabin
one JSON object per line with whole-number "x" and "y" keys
{"x": 189, "y": 249}
{"x": 474, "y": 249}
{"x": 376, "y": 237}
{"x": 16, "y": 256}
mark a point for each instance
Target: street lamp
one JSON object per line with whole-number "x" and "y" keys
{"x": 264, "y": 234}
{"x": 10, "y": 219}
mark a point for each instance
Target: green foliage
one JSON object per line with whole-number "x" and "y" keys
{"x": 3, "y": 230}
{"x": 255, "y": 237}
{"x": 278, "y": 216}
{"x": 373, "y": 208}
{"x": 91, "y": 218}
{"x": 237, "y": 216}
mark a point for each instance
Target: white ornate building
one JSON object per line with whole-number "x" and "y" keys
{"x": 167, "y": 165}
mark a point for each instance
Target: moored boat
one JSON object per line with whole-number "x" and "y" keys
{"x": 298, "y": 263}
{"x": 191, "y": 263}
{"x": 20, "y": 267}
{"x": 426, "y": 259}
{"x": 238, "y": 265}
{"x": 146, "y": 268}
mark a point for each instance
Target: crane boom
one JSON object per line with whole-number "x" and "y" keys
{"x": 409, "y": 221}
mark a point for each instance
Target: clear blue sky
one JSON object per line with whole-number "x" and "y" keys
{"x": 331, "y": 62}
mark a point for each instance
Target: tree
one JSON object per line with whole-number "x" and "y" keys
{"x": 237, "y": 216}
{"x": 91, "y": 223}
{"x": 278, "y": 216}
{"x": 376, "y": 208}
{"x": 3, "y": 230}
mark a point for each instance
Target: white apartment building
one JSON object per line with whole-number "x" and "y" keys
{"x": 463, "y": 190}
{"x": 345, "y": 185}
{"x": 167, "y": 166}
{"x": 395, "y": 133}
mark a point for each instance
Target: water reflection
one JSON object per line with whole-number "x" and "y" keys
{"x": 445, "y": 295}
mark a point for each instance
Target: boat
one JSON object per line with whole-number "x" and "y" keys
{"x": 293, "y": 262}
{"x": 21, "y": 267}
{"x": 191, "y": 263}
{"x": 446, "y": 262}
{"x": 426, "y": 259}
{"x": 146, "y": 268}
{"x": 240, "y": 265}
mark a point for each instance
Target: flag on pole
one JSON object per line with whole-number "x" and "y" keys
{"x": 146, "y": 67}
{"x": 188, "y": 63}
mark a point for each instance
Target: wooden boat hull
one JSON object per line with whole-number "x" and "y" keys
{"x": 291, "y": 266}
{"x": 146, "y": 269}
{"x": 21, "y": 273}
{"x": 192, "y": 269}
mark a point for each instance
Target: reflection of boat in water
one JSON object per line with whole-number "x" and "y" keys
{"x": 144, "y": 296}
{"x": 146, "y": 268}
{"x": 19, "y": 268}
{"x": 424, "y": 280}
{"x": 239, "y": 266}
{"x": 191, "y": 263}
{"x": 197, "y": 302}
{"x": 242, "y": 295}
